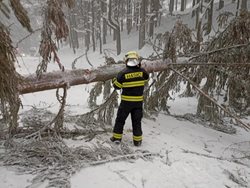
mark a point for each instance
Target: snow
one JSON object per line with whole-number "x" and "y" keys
{"x": 184, "y": 154}
{"x": 169, "y": 137}
{"x": 9, "y": 178}
{"x": 171, "y": 167}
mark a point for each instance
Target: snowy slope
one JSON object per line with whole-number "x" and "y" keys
{"x": 188, "y": 155}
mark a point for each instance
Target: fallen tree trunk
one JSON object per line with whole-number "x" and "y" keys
{"x": 58, "y": 79}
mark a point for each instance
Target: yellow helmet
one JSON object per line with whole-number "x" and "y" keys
{"x": 131, "y": 55}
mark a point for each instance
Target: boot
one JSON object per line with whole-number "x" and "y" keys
{"x": 137, "y": 143}
{"x": 115, "y": 140}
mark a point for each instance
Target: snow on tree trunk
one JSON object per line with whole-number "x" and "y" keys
{"x": 69, "y": 78}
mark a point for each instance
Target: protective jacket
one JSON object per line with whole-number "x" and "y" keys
{"x": 131, "y": 80}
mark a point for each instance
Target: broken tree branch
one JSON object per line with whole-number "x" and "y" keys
{"x": 242, "y": 124}
{"x": 128, "y": 156}
{"x": 233, "y": 160}
{"x": 63, "y": 102}
{"x": 27, "y": 36}
{"x": 219, "y": 50}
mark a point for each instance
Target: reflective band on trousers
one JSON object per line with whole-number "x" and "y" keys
{"x": 137, "y": 138}
{"x": 118, "y": 136}
{"x": 133, "y": 84}
{"x": 132, "y": 98}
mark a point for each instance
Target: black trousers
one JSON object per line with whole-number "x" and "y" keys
{"x": 126, "y": 108}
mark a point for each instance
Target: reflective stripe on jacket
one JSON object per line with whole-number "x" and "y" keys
{"x": 131, "y": 80}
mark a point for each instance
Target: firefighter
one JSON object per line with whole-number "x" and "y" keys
{"x": 131, "y": 80}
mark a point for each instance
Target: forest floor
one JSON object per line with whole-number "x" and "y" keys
{"x": 178, "y": 150}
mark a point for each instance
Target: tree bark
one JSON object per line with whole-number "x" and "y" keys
{"x": 193, "y": 4}
{"x": 58, "y": 79}
{"x": 244, "y": 5}
{"x": 197, "y": 13}
{"x": 99, "y": 25}
{"x": 183, "y": 5}
{"x": 151, "y": 19}
{"x": 136, "y": 14}
{"x": 104, "y": 30}
{"x": 104, "y": 21}
{"x": 87, "y": 24}
{"x": 93, "y": 23}
{"x": 171, "y": 7}
{"x": 154, "y": 11}
{"x": 115, "y": 27}
{"x": 73, "y": 34}
{"x": 237, "y": 7}
{"x": 129, "y": 16}
{"x": 210, "y": 17}
{"x": 221, "y": 4}
{"x": 142, "y": 28}
{"x": 121, "y": 18}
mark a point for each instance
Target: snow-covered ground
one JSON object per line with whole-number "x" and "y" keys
{"x": 188, "y": 155}
{"x": 184, "y": 154}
